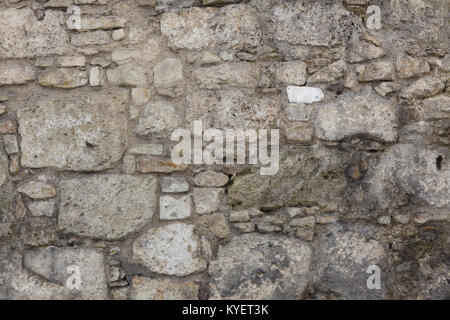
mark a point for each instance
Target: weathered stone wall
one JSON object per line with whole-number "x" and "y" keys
{"x": 92, "y": 207}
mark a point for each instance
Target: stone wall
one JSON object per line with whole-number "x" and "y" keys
{"x": 92, "y": 206}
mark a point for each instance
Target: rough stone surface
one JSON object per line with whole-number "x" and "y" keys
{"x": 211, "y": 179}
{"x": 207, "y": 200}
{"x": 173, "y": 249}
{"x": 126, "y": 204}
{"x": 259, "y": 267}
{"x": 239, "y": 75}
{"x": 169, "y": 78}
{"x": 163, "y": 289}
{"x": 172, "y": 208}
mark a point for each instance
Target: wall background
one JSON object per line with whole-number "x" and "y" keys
{"x": 91, "y": 206}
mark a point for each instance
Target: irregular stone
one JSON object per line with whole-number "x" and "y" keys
{"x": 344, "y": 254}
{"x": 172, "y": 249}
{"x": 298, "y": 112}
{"x": 6, "y": 199}
{"x": 86, "y": 134}
{"x": 163, "y": 289}
{"x": 207, "y": 200}
{"x": 171, "y": 208}
{"x": 238, "y": 75}
{"x": 217, "y": 224}
{"x": 65, "y": 78}
{"x": 42, "y": 208}
{"x": 301, "y": 134}
{"x": 38, "y": 190}
{"x": 90, "y": 38}
{"x": 160, "y": 117}
{"x": 410, "y": 172}
{"x": 211, "y": 178}
{"x": 129, "y": 74}
{"x": 435, "y": 108}
{"x": 302, "y": 95}
{"x": 408, "y": 67}
{"x": 423, "y": 88}
{"x": 291, "y": 73}
{"x": 196, "y": 28}
{"x": 15, "y": 73}
{"x": 294, "y": 212}
{"x": 231, "y": 109}
{"x": 245, "y": 226}
{"x": 23, "y": 36}
{"x": 174, "y": 184}
{"x": 239, "y": 216}
{"x": 36, "y": 232}
{"x": 43, "y": 62}
{"x": 106, "y": 206}
{"x": 118, "y": 34}
{"x": 72, "y": 61}
{"x": 11, "y": 143}
{"x": 14, "y": 164}
{"x": 102, "y": 22}
{"x": 313, "y": 23}
{"x": 168, "y": 77}
{"x": 95, "y": 77}
{"x": 148, "y": 52}
{"x": 375, "y": 71}
{"x": 253, "y": 266}
{"x": 331, "y": 74}
{"x": 60, "y": 265}
{"x": 365, "y": 114}
{"x": 210, "y": 58}
{"x": 385, "y": 88}
{"x": 129, "y": 164}
{"x": 149, "y": 165}
{"x": 363, "y": 51}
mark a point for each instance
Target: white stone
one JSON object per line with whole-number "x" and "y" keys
{"x": 95, "y": 77}
{"x": 168, "y": 76}
{"x": 118, "y": 34}
{"x": 171, "y": 208}
{"x": 174, "y": 184}
{"x": 42, "y": 208}
{"x": 207, "y": 200}
{"x": 304, "y": 94}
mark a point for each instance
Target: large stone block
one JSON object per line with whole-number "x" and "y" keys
{"x": 234, "y": 26}
{"x": 86, "y": 134}
{"x": 106, "y": 206}
{"x": 254, "y": 266}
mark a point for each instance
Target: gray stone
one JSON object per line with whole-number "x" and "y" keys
{"x": 331, "y": 74}
{"x": 129, "y": 164}
{"x": 174, "y": 184}
{"x": 75, "y": 134}
{"x": 236, "y": 75}
{"x": 207, "y": 200}
{"x": 211, "y": 178}
{"x": 408, "y": 67}
{"x": 168, "y": 77}
{"x": 217, "y": 224}
{"x": 365, "y": 114}
{"x": 163, "y": 289}
{"x": 60, "y": 265}
{"x": 301, "y": 134}
{"x": 423, "y": 88}
{"x": 148, "y": 165}
{"x": 375, "y": 71}
{"x": 298, "y": 112}
{"x": 196, "y": 28}
{"x": 42, "y": 208}
{"x": 435, "y": 108}
{"x": 65, "y": 78}
{"x": 363, "y": 51}
{"x": 11, "y": 143}
{"x": 99, "y": 22}
{"x": 160, "y": 117}
{"x": 239, "y": 216}
{"x": 90, "y": 38}
{"x": 147, "y": 149}
{"x": 174, "y": 208}
{"x": 172, "y": 249}
{"x": 38, "y": 190}
{"x": 140, "y": 95}
{"x": 253, "y": 266}
{"x": 15, "y": 73}
{"x": 291, "y": 73}
{"x": 106, "y": 206}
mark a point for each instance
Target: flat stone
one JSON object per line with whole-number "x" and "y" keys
{"x": 149, "y": 165}
{"x": 54, "y": 264}
{"x": 168, "y": 77}
{"x": 385, "y": 88}
{"x": 90, "y": 38}
{"x": 211, "y": 178}
{"x": 140, "y": 95}
{"x": 160, "y": 117}
{"x": 102, "y": 22}
{"x": 363, "y": 51}
{"x": 129, "y": 74}
{"x": 217, "y": 224}
{"x": 253, "y": 266}
{"x": 365, "y": 114}
{"x": 298, "y": 112}
{"x": 72, "y": 61}
{"x": 172, "y": 249}
{"x": 237, "y": 75}
{"x": 95, "y": 77}
{"x": 75, "y": 134}
{"x": 196, "y": 28}
{"x": 174, "y": 184}
{"x": 163, "y": 289}
{"x": 16, "y": 73}
{"x": 42, "y": 208}
{"x": 129, "y": 164}
{"x": 23, "y": 36}
{"x": 106, "y": 206}
{"x": 331, "y": 74}
{"x": 301, "y": 134}
{"x": 147, "y": 149}
{"x": 207, "y": 200}
{"x": 423, "y": 88}
{"x": 11, "y": 144}
{"x": 65, "y": 78}
{"x": 210, "y": 58}
{"x": 408, "y": 67}
{"x": 435, "y": 108}
{"x": 38, "y": 190}
{"x": 239, "y": 216}
{"x": 147, "y": 53}
{"x": 172, "y": 208}
{"x": 375, "y": 71}
{"x": 302, "y": 95}
{"x": 291, "y": 73}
